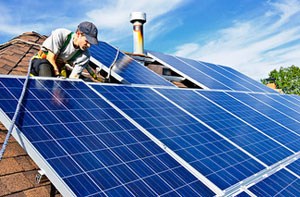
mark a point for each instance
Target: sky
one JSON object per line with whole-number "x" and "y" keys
{"x": 251, "y": 36}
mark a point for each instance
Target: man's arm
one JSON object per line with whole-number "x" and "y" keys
{"x": 51, "y": 57}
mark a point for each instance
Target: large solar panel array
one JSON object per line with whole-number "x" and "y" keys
{"x": 227, "y": 140}
{"x": 86, "y": 147}
{"x": 210, "y": 76}
{"x": 123, "y": 140}
{"x": 125, "y": 69}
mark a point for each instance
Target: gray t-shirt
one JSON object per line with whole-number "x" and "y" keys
{"x": 56, "y": 41}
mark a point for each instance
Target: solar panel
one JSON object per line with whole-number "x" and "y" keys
{"x": 265, "y": 105}
{"x": 86, "y": 147}
{"x": 240, "y": 132}
{"x": 209, "y": 76}
{"x": 248, "y": 79}
{"x": 217, "y": 159}
{"x": 295, "y": 167}
{"x": 126, "y": 69}
{"x": 281, "y": 183}
{"x": 266, "y": 125}
{"x": 197, "y": 77}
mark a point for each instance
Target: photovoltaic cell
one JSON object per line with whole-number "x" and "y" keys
{"x": 208, "y": 69}
{"x": 210, "y": 75}
{"x": 214, "y": 157}
{"x": 198, "y": 77}
{"x": 99, "y": 153}
{"x": 280, "y": 105}
{"x": 282, "y": 183}
{"x": 257, "y": 144}
{"x": 266, "y": 125}
{"x": 248, "y": 79}
{"x": 126, "y": 67}
{"x": 258, "y": 102}
{"x": 295, "y": 167}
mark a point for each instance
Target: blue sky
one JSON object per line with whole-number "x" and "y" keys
{"x": 252, "y": 36}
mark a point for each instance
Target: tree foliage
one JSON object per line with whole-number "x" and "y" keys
{"x": 287, "y": 79}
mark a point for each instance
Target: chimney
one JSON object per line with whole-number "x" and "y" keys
{"x": 138, "y": 19}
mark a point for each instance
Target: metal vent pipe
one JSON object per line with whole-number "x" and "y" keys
{"x": 138, "y": 19}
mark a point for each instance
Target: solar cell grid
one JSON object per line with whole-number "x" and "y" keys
{"x": 210, "y": 76}
{"x": 295, "y": 167}
{"x": 113, "y": 159}
{"x": 279, "y": 105}
{"x": 282, "y": 183}
{"x": 201, "y": 66}
{"x": 266, "y": 125}
{"x": 207, "y": 152}
{"x": 198, "y": 77}
{"x": 292, "y": 98}
{"x": 267, "y": 110}
{"x": 219, "y": 69}
{"x": 248, "y": 79}
{"x": 257, "y": 144}
{"x": 126, "y": 67}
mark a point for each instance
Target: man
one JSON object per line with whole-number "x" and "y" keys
{"x": 65, "y": 47}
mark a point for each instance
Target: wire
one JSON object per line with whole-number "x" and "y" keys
{"x": 12, "y": 124}
{"x": 112, "y": 65}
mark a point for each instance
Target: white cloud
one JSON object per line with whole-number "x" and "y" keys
{"x": 113, "y": 17}
{"x": 257, "y": 46}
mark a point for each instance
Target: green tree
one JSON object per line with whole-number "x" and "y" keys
{"x": 287, "y": 79}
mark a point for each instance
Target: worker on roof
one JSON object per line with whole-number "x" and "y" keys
{"x": 65, "y": 47}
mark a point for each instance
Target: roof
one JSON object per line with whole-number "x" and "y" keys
{"x": 17, "y": 170}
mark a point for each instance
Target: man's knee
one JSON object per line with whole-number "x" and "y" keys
{"x": 41, "y": 67}
{"x": 45, "y": 70}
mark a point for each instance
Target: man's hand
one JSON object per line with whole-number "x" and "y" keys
{"x": 56, "y": 72}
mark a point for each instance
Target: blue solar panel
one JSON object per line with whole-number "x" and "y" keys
{"x": 292, "y": 98}
{"x": 287, "y": 100}
{"x": 248, "y": 79}
{"x": 126, "y": 67}
{"x": 210, "y": 154}
{"x": 196, "y": 76}
{"x": 268, "y": 126}
{"x": 243, "y": 194}
{"x": 210, "y": 75}
{"x": 207, "y": 69}
{"x": 92, "y": 148}
{"x": 259, "y": 145}
{"x": 280, "y": 117}
{"x": 281, "y": 105}
{"x": 295, "y": 167}
{"x": 282, "y": 183}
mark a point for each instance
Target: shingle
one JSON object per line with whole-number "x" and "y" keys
{"x": 13, "y": 150}
{"x": 40, "y": 191}
{"x": 26, "y": 163}
{"x": 3, "y": 189}
{"x": 18, "y": 194}
{"x": 9, "y": 166}
{"x": 16, "y": 182}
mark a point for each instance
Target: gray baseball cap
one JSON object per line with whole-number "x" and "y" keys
{"x": 90, "y": 31}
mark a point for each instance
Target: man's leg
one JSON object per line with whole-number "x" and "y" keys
{"x": 45, "y": 70}
{"x": 42, "y": 67}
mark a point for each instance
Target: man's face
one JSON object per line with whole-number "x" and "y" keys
{"x": 83, "y": 43}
